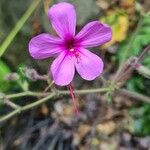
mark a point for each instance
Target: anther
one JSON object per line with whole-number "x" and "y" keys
{"x": 72, "y": 49}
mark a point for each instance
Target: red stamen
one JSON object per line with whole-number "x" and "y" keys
{"x": 77, "y": 56}
{"x": 71, "y": 89}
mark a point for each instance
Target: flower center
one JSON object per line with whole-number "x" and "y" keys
{"x": 70, "y": 44}
{"x": 72, "y": 50}
{"x": 71, "y": 47}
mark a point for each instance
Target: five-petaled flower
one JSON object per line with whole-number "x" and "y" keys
{"x": 69, "y": 48}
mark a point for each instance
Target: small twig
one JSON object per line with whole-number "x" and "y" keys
{"x": 104, "y": 81}
{"x": 6, "y": 117}
{"x": 49, "y": 86}
{"x": 128, "y": 67}
{"x": 51, "y": 95}
{"x": 26, "y": 107}
{"x": 48, "y": 96}
{"x": 134, "y": 95}
{"x": 11, "y": 104}
{"x": 37, "y": 103}
{"x": 144, "y": 52}
{"x": 27, "y": 93}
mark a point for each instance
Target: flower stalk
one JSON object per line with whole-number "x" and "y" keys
{"x": 71, "y": 89}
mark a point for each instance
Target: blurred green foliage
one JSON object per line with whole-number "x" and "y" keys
{"x": 141, "y": 114}
{"x": 141, "y": 39}
{"x": 141, "y": 117}
{"x": 10, "y": 13}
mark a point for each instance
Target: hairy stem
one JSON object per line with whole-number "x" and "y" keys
{"x": 53, "y": 94}
{"x": 47, "y": 96}
{"x": 65, "y": 92}
{"x": 135, "y": 95}
{"x": 11, "y": 104}
{"x": 26, "y": 107}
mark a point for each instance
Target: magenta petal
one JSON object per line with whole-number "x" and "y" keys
{"x": 89, "y": 65}
{"x": 63, "y": 19}
{"x": 94, "y": 34}
{"x": 63, "y": 69}
{"x": 44, "y": 46}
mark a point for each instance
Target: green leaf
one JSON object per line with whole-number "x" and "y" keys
{"x": 4, "y": 70}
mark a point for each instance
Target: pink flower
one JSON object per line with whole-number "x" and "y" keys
{"x": 70, "y": 48}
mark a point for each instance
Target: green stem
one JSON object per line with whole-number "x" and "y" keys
{"x": 51, "y": 95}
{"x": 27, "y": 93}
{"x": 85, "y": 91}
{"x": 48, "y": 96}
{"x": 11, "y": 104}
{"x": 37, "y": 103}
{"x": 42, "y": 94}
{"x": 6, "y": 117}
{"x": 18, "y": 26}
{"x": 135, "y": 95}
{"x": 26, "y": 107}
